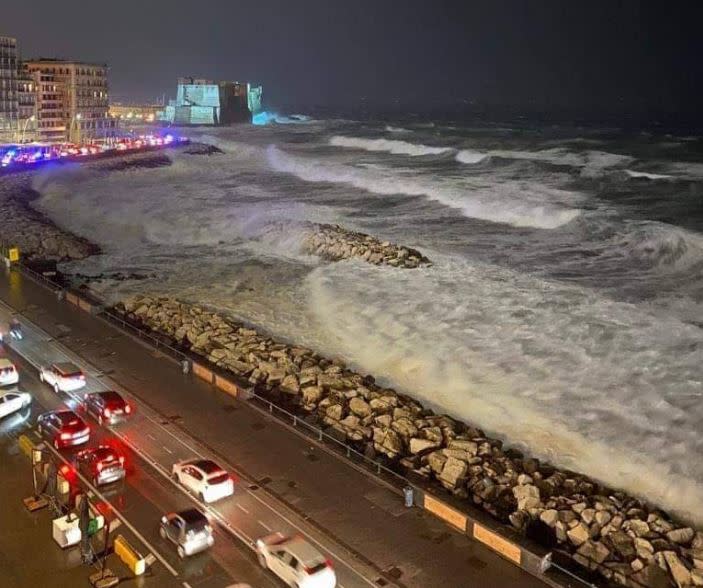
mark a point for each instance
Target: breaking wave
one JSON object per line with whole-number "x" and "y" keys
{"x": 469, "y": 156}
{"x": 590, "y": 160}
{"x": 388, "y": 146}
{"x": 646, "y": 175}
{"x": 588, "y": 383}
{"x": 515, "y": 203}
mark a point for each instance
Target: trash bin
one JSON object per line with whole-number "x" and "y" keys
{"x": 409, "y": 496}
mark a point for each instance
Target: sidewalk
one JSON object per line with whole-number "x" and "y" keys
{"x": 408, "y": 545}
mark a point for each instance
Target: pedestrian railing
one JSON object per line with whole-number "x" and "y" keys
{"x": 298, "y": 421}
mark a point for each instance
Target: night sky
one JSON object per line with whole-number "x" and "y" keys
{"x": 534, "y": 54}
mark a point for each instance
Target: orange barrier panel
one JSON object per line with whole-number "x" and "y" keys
{"x": 497, "y": 543}
{"x": 202, "y": 372}
{"x": 226, "y": 386}
{"x": 445, "y": 512}
{"x": 84, "y": 305}
{"x": 72, "y": 298}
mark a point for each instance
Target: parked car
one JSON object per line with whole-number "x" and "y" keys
{"x": 107, "y": 407}
{"x": 101, "y": 465}
{"x": 64, "y": 428}
{"x": 204, "y": 478}
{"x": 63, "y": 377}
{"x": 295, "y": 561}
{"x": 13, "y": 401}
{"x": 8, "y": 372}
{"x": 189, "y": 529}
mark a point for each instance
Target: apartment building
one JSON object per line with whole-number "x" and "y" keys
{"x": 71, "y": 100}
{"x": 8, "y": 89}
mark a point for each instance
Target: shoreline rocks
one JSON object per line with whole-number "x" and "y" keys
{"x": 35, "y": 235}
{"x": 335, "y": 243}
{"x": 625, "y": 539}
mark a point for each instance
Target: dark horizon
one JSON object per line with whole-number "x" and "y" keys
{"x": 607, "y": 57}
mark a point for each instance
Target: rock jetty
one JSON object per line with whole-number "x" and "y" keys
{"x": 335, "y": 243}
{"x": 36, "y": 236}
{"x": 627, "y": 540}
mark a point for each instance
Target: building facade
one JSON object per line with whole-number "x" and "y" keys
{"x": 26, "y": 105}
{"x": 8, "y": 89}
{"x": 134, "y": 113}
{"x": 205, "y": 102}
{"x": 71, "y": 100}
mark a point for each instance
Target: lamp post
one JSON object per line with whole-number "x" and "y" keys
{"x": 76, "y": 117}
{"x": 26, "y": 122}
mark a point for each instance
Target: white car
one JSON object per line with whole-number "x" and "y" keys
{"x": 295, "y": 561}
{"x": 204, "y": 478}
{"x": 8, "y": 372}
{"x": 63, "y": 377}
{"x": 13, "y": 401}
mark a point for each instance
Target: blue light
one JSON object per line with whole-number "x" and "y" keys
{"x": 263, "y": 118}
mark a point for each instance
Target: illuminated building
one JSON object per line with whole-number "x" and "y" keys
{"x": 8, "y": 89}
{"x": 27, "y": 105}
{"x": 204, "y": 102}
{"x": 134, "y": 112}
{"x": 71, "y": 100}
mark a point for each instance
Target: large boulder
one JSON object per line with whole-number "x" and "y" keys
{"x": 579, "y": 534}
{"x": 678, "y": 571}
{"x": 359, "y": 407}
{"x": 453, "y": 473}
{"x": 418, "y": 445}
{"x": 527, "y": 497}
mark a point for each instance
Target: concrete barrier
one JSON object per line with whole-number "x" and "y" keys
{"x": 450, "y": 515}
{"x": 203, "y": 373}
{"x": 85, "y": 305}
{"x": 26, "y": 445}
{"x": 498, "y": 544}
{"x": 130, "y": 556}
{"x": 226, "y": 386}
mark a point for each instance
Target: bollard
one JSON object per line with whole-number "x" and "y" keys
{"x": 408, "y": 493}
{"x": 185, "y": 366}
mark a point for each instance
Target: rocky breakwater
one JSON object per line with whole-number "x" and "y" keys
{"x": 335, "y": 243}
{"x": 36, "y": 236}
{"x": 626, "y": 539}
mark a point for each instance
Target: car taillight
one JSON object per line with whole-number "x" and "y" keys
{"x": 99, "y": 466}
{"x": 121, "y": 460}
{"x": 107, "y": 413}
{"x": 65, "y": 436}
{"x": 127, "y": 408}
{"x": 64, "y": 470}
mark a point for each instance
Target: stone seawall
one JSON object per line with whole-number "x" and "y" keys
{"x": 35, "y": 235}
{"x": 624, "y": 538}
{"x": 335, "y": 243}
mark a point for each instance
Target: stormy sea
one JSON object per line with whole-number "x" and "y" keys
{"x": 563, "y": 311}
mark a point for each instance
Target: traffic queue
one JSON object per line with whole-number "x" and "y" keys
{"x": 292, "y": 558}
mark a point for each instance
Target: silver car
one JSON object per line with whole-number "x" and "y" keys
{"x": 189, "y": 530}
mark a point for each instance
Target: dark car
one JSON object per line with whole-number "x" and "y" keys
{"x": 107, "y": 407}
{"x": 102, "y": 465}
{"x": 64, "y": 428}
{"x": 189, "y": 529}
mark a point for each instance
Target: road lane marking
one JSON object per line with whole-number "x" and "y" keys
{"x": 119, "y": 515}
{"x": 186, "y": 585}
{"x": 75, "y": 358}
{"x": 240, "y": 507}
{"x": 264, "y": 525}
{"x": 167, "y": 450}
{"x": 151, "y": 436}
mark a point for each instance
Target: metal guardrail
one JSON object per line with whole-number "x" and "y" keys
{"x": 283, "y": 415}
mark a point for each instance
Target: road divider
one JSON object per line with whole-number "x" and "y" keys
{"x": 130, "y": 556}
{"x": 203, "y": 373}
{"x": 26, "y": 445}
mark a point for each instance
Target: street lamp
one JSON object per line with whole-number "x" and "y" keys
{"x": 26, "y": 122}
{"x": 76, "y": 117}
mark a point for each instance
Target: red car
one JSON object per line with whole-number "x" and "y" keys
{"x": 64, "y": 428}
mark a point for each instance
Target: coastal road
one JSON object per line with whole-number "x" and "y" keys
{"x": 287, "y": 482}
{"x": 141, "y": 499}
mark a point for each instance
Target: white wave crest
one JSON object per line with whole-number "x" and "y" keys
{"x": 388, "y": 146}
{"x": 602, "y": 387}
{"x": 646, "y": 175}
{"x": 594, "y": 160}
{"x": 392, "y": 129}
{"x": 515, "y": 203}
{"x": 469, "y": 156}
